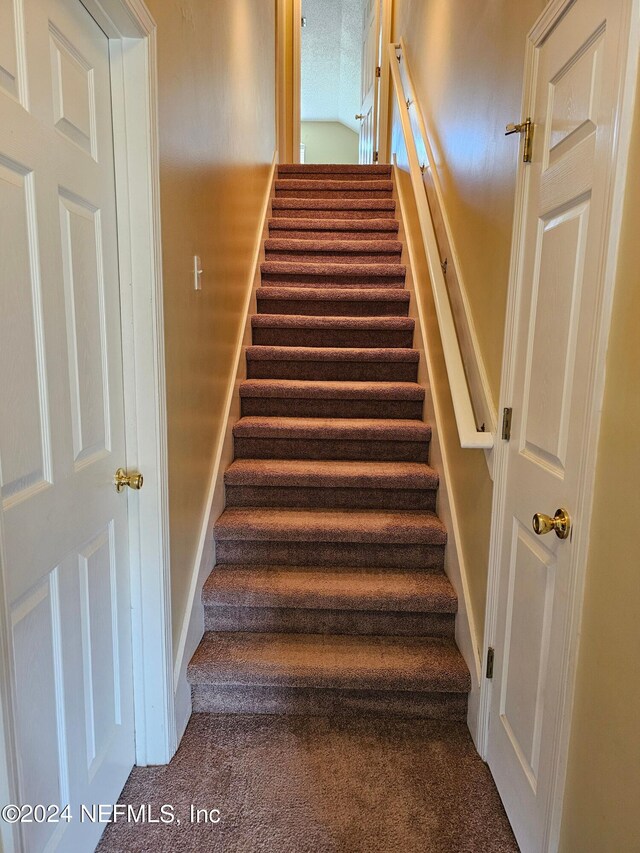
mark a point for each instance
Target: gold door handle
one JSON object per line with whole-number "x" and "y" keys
{"x": 360, "y": 116}
{"x": 561, "y": 523}
{"x": 122, "y": 479}
{"x": 525, "y": 127}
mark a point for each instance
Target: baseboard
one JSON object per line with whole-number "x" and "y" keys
{"x": 193, "y": 624}
{"x": 467, "y": 636}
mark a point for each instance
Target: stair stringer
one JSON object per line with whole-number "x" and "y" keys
{"x": 192, "y": 630}
{"x": 466, "y": 633}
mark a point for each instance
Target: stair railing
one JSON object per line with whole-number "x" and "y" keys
{"x": 468, "y": 432}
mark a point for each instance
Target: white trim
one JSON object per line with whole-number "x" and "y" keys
{"x": 193, "y": 623}
{"x": 455, "y": 564}
{"x": 621, "y": 150}
{"x": 132, "y": 34}
{"x": 384, "y": 104}
{"x": 468, "y": 432}
{"x": 296, "y": 76}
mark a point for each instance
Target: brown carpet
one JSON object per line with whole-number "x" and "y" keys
{"x": 319, "y": 785}
{"x": 331, "y": 505}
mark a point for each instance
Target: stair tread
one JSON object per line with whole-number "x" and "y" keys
{"x": 333, "y": 204}
{"x": 326, "y": 268}
{"x": 339, "y": 661}
{"x": 276, "y": 353}
{"x": 331, "y": 473}
{"x": 357, "y": 247}
{"x": 325, "y": 525}
{"x": 330, "y": 294}
{"x": 340, "y": 589}
{"x": 377, "y": 429}
{"x": 304, "y": 321}
{"x": 307, "y": 389}
{"x": 301, "y": 224}
{"x": 309, "y": 183}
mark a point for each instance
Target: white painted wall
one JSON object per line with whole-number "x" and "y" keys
{"x": 329, "y": 142}
{"x": 331, "y": 45}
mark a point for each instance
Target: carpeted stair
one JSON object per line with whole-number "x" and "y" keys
{"x": 329, "y": 592}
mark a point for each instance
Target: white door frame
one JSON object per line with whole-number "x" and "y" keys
{"x": 296, "y": 78}
{"x": 384, "y": 87}
{"x": 622, "y": 142}
{"x": 384, "y": 26}
{"x": 132, "y": 34}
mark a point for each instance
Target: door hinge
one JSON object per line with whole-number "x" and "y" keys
{"x": 378, "y": 71}
{"x": 489, "y": 669}
{"x": 526, "y": 127}
{"x": 506, "y": 424}
{"x": 375, "y": 156}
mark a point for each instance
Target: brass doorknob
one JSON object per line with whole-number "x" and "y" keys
{"x": 561, "y": 523}
{"x": 122, "y": 479}
{"x": 360, "y": 116}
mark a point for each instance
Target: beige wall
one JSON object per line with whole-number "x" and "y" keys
{"x": 329, "y": 142}
{"x": 467, "y": 62}
{"x": 216, "y": 63}
{"x": 602, "y": 797}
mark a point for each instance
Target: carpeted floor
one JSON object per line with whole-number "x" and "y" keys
{"x": 350, "y": 784}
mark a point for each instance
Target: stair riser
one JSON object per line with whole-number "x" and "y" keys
{"x": 290, "y": 407}
{"x": 331, "y": 174}
{"x": 365, "y": 450}
{"x": 364, "y": 193}
{"x": 232, "y": 699}
{"x": 333, "y": 257}
{"x": 330, "y": 497}
{"x": 331, "y": 280}
{"x": 330, "y": 308}
{"x": 332, "y": 213}
{"x": 304, "y": 621}
{"x": 428, "y": 558}
{"x": 301, "y": 337}
{"x": 365, "y": 371}
{"x": 295, "y": 234}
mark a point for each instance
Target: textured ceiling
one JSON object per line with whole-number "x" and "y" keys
{"x": 331, "y": 49}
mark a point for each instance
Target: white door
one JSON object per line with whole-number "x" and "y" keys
{"x": 577, "y": 67}
{"x": 369, "y": 103}
{"x": 64, "y": 527}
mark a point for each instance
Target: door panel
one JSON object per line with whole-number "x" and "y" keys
{"x": 552, "y": 335}
{"x": 10, "y": 48}
{"x": 73, "y": 94}
{"x": 531, "y": 588}
{"x": 100, "y": 652}
{"x": 83, "y": 276}
{"x": 64, "y": 527}
{"x": 577, "y": 72}
{"x": 35, "y": 628}
{"x": 24, "y": 426}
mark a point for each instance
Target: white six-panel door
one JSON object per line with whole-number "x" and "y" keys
{"x": 578, "y": 67}
{"x": 64, "y": 527}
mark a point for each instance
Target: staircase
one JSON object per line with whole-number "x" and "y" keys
{"x": 328, "y": 592}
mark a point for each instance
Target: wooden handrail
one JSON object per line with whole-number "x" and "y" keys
{"x": 468, "y": 432}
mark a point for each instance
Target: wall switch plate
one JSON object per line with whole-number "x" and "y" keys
{"x": 197, "y": 273}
